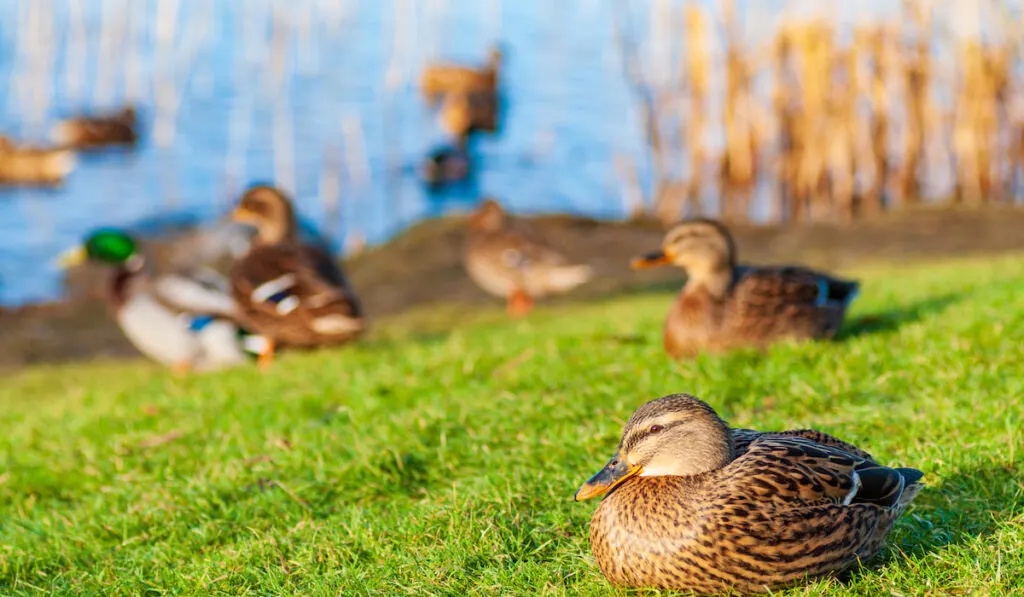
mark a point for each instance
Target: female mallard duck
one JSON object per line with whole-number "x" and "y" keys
{"x": 441, "y": 79}
{"x": 182, "y": 321}
{"x": 293, "y": 294}
{"x": 505, "y": 259}
{"x": 723, "y": 306}
{"x": 35, "y": 166}
{"x": 695, "y": 505}
{"x": 94, "y": 132}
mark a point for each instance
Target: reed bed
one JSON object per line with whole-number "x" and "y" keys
{"x": 832, "y": 118}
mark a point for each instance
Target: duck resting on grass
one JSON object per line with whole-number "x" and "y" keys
{"x": 184, "y": 321}
{"x": 694, "y": 505}
{"x": 291, "y": 293}
{"x": 506, "y": 259}
{"x": 724, "y": 306}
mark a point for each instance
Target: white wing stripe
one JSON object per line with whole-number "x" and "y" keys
{"x": 268, "y": 289}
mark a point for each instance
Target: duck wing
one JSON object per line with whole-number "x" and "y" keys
{"x": 285, "y": 297}
{"x": 795, "y": 472}
{"x": 794, "y": 300}
{"x": 742, "y": 438}
{"x": 205, "y": 293}
{"x": 792, "y": 508}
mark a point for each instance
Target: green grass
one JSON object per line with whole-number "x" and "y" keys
{"x": 446, "y": 465}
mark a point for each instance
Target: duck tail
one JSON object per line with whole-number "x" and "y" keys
{"x": 564, "y": 279}
{"x": 912, "y": 484}
{"x": 61, "y": 163}
{"x": 836, "y": 292}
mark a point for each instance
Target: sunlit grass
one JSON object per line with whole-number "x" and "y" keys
{"x": 446, "y": 464}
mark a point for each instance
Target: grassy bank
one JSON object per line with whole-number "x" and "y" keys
{"x": 446, "y": 464}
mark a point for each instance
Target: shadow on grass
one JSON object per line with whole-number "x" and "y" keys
{"x": 971, "y": 502}
{"x": 893, "y": 319}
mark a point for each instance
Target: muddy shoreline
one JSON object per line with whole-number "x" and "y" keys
{"x": 423, "y": 267}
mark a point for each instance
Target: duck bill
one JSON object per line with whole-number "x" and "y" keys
{"x": 651, "y": 260}
{"x": 611, "y": 476}
{"x": 243, "y": 216}
{"x": 72, "y": 257}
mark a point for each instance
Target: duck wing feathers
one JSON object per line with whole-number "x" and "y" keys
{"x": 796, "y": 472}
{"x": 283, "y": 295}
{"x": 795, "y": 301}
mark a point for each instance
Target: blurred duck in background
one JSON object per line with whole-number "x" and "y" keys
{"x": 184, "y": 320}
{"x": 506, "y": 259}
{"x": 33, "y": 166}
{"x": 724, "y": 306}
{"x": 446, "y": 165}
{"x": 441, "y": 79}
{"x": 91, "y": 132}
{"x": 292, "y": 293}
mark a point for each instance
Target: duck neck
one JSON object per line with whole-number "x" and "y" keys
{"x": 273, "y": 232}
{"x": 121, "y": 286}
{"x": 715, "y": 280}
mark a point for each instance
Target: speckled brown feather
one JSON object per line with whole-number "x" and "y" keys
{"x": 789, "y": 507}
{"x": 318, "y": 296}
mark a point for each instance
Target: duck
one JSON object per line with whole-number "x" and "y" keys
{"x": 119, "y": 129}
{"x": 293, "y": 294}
{"x": 505, "y": 258}
{"x": 691, "y": 504}
{"x": 437, "y": 80}
{"x": 446, "y": 165}
{"x": 463, "y": 113}
{"x": 33, "y": 166}
{"x": 183, "y": 320}
{"x": 724, "y": 306}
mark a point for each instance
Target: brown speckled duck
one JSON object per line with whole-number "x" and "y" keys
{"x": 694, "y": 505}
{"x": 505, "y": 259}
{"x": 440, "y": 79}
{"x": 724, "y": 306}
{"x": 33, "y": 166}
{"x": 95, "y": 132}
{"x": 292, "y": 294}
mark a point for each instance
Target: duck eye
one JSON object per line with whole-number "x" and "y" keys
{"x": 655, "y": 429}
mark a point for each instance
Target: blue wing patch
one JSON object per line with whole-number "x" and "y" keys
{"x": 823, "y": 289}
{"x": 198, "y": 322}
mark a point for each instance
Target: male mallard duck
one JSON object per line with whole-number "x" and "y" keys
{"x": 94, "y": 132}
{"x": 441, "y": 79}
{"x": 505, "y": 259}
{"x": 723, "y": 306}
{"x": 695, "y": 505}
{"x": 35, "y": 166}
{"x": 182, "y": 321}
{"x": 291, "y": 293}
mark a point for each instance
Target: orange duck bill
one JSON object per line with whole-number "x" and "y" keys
{"x": 611, "y": 476}
{"x": 653, "y": 259}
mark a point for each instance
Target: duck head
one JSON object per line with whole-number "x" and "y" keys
{"x": 269, "y": 211}
{"x": 489, "y": 217}
{"x": 704, "y": 248}
{"x": 674, "y": 435}
{"x": 108, "y": 246}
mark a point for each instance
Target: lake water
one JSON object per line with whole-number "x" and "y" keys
{"x": 569, "y": 110}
